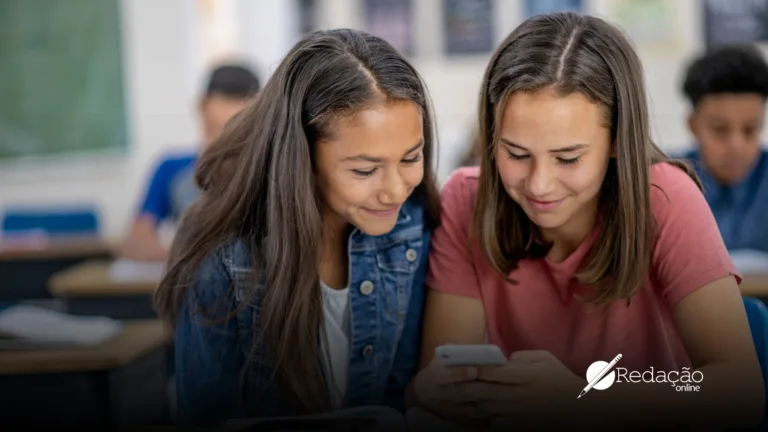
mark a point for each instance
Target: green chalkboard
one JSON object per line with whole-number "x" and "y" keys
{"x": 61, "y": 77}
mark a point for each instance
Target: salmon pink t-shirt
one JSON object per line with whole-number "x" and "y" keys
{"x": 541, "y": 313}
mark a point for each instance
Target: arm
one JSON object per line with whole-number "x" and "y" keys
{"x": 207, "y": 351}
{"x": 143, "y": 242}
{"x": 714, "y": 328}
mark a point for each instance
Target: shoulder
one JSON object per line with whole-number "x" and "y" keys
{"x": 225, "y": 270}
{"x": 171, "y": 164}
{"x": 465, "y": 179}
{"x": 459, "y": 194}
{"x": 762, "y": 164}
{"x": 673, "y": 190}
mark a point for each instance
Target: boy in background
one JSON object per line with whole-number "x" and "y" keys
{"x": 172, "y": 188}
{"x": 727, "y": 88}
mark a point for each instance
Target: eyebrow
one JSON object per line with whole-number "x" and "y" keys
{"x": 560, "y": 150}
{"x": 373, "y": 159}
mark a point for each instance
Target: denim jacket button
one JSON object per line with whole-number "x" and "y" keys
{"x": 366, "y": 288}
{"x": 411, "y": 255}
{"x": 368, "y": 350}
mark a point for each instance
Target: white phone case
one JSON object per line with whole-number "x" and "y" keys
{"x": 470, "y": 355}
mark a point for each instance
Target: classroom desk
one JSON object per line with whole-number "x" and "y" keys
{"x": 120, "y": 384}
{"x": 755, "y": 285}
{"x": 25, "y": 269}
{"x": 88, "y": 289}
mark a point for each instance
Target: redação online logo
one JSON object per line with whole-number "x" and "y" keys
{"x": 602, "y": 375}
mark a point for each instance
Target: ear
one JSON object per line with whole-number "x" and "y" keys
{"x": 692, "y": 123}
{"x": 201, "y": 106}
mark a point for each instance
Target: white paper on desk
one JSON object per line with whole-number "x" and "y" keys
{"x": 136, "y": 271}
{"x": 750, "y": 261}
{"x": 33, "y": 325}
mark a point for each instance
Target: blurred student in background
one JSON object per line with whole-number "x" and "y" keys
{"x": 576, "y": 240}
{"x": 295, "y": 282}
{"x": 727, "y": 88}
{"x": 172, "y": 189}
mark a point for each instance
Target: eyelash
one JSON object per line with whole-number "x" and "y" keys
{"x": 561, "y": 160}
{"x": 410, "y": 161}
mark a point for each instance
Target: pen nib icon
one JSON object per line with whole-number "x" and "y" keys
{"x": 596, "y": 375}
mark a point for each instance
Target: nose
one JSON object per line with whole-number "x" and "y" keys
{"x": 541, "y": 179}
{"x": 394, "y": 189}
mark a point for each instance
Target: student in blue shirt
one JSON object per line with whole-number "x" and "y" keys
{"x": 172, "y": 188}
{"x": 727, "y": 88}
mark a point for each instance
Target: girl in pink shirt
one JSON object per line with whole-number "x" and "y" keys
{"x": 577, "y": 240}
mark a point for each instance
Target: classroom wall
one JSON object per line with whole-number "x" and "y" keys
{"x": 167, "y": 50}
{"x": 454, "y": 82}
{"x": 165, "y": 58}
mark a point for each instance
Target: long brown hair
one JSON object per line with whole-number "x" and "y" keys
{"x": 258, "y": 185}
{"x": 569, "y": 53}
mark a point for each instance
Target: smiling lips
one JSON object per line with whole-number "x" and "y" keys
{"x": 383, "y": 213}
{"x": 543, "y": 206}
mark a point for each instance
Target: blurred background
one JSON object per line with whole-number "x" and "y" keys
{"x": 95, "y": 91}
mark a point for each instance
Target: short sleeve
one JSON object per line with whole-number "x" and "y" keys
{"x": 689, "y": 251}
{"x": 157, "y": 201}
{"x": 451, "y": 269}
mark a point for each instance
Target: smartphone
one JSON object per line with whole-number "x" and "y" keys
{"x": 470, "y": 355}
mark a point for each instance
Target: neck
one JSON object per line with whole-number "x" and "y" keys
{"x": 567, "y": 238}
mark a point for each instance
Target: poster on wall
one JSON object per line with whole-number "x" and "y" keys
{"x": 537, "y": 7}
{"x": 468, "y": 26}
{"x": 730, "y": 22}
{"x": 651, "y": 24}
{"x": 391, "y": 20}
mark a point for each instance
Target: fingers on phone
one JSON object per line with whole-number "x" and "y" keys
{"x": 456, "y": 374}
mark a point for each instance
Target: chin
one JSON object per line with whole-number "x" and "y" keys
{"x": 376, "y": 229}
{"x": 546, "y": 220}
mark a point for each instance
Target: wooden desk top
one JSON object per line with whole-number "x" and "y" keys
{"x": 54, "y": 248}
{"x": 755, "y": 285}
{"x": 137, "y": 338}
{"x": 92, "y": 279}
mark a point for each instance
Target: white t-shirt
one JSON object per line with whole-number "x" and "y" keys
{"x": 337, "y": 329}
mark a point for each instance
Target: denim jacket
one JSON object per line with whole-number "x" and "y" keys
{"x": 384, "y": 339}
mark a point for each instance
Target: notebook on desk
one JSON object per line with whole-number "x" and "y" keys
{"x": 749, "y": 261}
{"x": 24, "y": 326}
{"x": 136, "y": 271}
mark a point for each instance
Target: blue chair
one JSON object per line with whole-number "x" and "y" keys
{"x": 52, "y": 221}
{"x": 757, "y": 314}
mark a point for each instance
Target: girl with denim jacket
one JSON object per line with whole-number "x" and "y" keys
{"x": 295, "y": 284}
